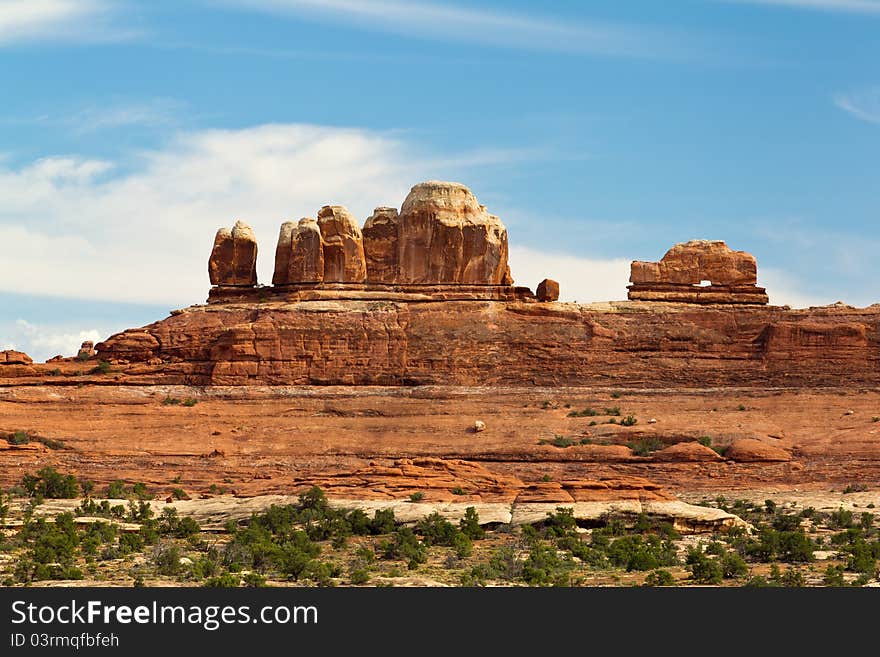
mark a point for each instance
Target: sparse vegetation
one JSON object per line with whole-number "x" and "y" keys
{"x": 312, "y": 543}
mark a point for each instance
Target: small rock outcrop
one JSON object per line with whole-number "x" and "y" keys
{"x": 344, "y": 260}
{"x": 86, "y": 350}
{"x": 548, "y": 290}
{"x": 699, "y": 271}
{"x": 233, "y": 260}
{"x": 299, "y": 256}
{"x": 380, "y": 245}
{"x": 446, "y": 236}
{"x": 13, "y": 357}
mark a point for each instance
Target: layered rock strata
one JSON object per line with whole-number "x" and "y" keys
{"x": 699, "y": 271}
{"x": 355, "y": 342}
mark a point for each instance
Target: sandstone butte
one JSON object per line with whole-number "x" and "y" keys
{"x": 422, "y": 300}
{"x": 425, "y": 296}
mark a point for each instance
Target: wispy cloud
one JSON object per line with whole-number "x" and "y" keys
{"x": 843, "y": 6}
{"x": 154, "y": 112}
{"x": 864, "y": 105}
{"x": 25, "y": 21}
{"x": 148, "y": 217}
{"x": 44, "y": 341}
{"x": 451, "y": 23}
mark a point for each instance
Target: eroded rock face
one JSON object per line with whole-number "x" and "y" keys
{"x": 344, "y": 260}
{"x": 699, "y": 271}
{"x": 380, "y": 245}
{"x": 233, "y": 260}
{"x": 446, "y": 236}
{"x": 12, "y": 357}
{"x": 696, "y": 261}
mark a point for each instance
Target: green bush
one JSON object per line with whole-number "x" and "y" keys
{"x": 704, "y": 569}
{"x": 50, "y": 484}
{"x": 659, "y": 578}
{"x": 635, "y": 552}
{"x": 470, "y": 524}
{"x": 225, "y": 581}
{"x": 645, "y": 446}
{"x": 629, "y": 421}
{"x": 405, "y": 545}
{"x": 167, "y": 559}
{"x": 587, "y": 412}
{"x": 116, "y": 490}
{"x": 614, "y": 410}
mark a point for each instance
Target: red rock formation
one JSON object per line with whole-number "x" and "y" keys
{"x": 548, "y": 290}
{"x": 496, "y": 343}
{"x": 446, "y": 236}
{"x": 380, "y": 245}
{"x": 233, "y": 260}
{"x": 344, "y": 260}
{"x": 86, "y": 350}
{"x": 683, "y": 272}
{"x": 753, "y": 450}
{"x": 12, "y": 357}
{"x": 299, "y": 256}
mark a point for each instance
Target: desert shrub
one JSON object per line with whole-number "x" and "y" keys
{"x": 295, "y": 555}
{"x": 131, "y": 542}
{"x": 359, "y": 576}
{"x": 205, "y": 567}
{"x": 834, "y": 576}
{"x": 841, "y": 519}
{"x": 18, "y": 438}
{"x": 855, "y": 488}
{"x": 629, "y": 421}
{"x": 470, "y": 524}
{"x": 659, "y": 578}
{"x": 116, "y": 490}
{"x": 458, "y": 490}
{"x": 417, "y": 496}
{"x": 544, "y": 567}
{"x": 49, "y": 483}
{"x": 224, "y": 581}
{"x": 705, "y": 441}
{"x": 645, "y": 446}
{"x": 383, "y": 522}
{"x": 254, "y": 580}
{"x": 614, "y": 410}
{"x": 190, "y": 402}
{"x": 587, "y": 412}
{"x": 560, "y": 523}
{"x": 404, "y": 545}
{"x": 733, "y": 566}
{"x": 103, "y": 367}
{"x": 634, "y": 552}
{"x": 786, "y": 522}
{"x": 862, "y": 558}
{"x": 167, "y": 559}
{"x": 704, "y": 569}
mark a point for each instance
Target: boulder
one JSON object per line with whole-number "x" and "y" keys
{"x": 380, "y": 245}
{"x": 446, "y": 236}
{"x": 233, "y": 260}
{"x": 753, "y": 450}
{"x": 344, "y": 260}
{"x": 548, "y": 290}
{"x": 12, "y": 357}
{"x": 686, "y": 451}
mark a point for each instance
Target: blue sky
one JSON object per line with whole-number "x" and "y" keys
{"x": 600, "y": 132}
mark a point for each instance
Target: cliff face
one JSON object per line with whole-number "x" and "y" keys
{"x": 356, "y": 342}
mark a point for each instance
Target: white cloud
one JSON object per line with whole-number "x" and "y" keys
{"x": 784, "y": 291}
{"x": 845, "y": 6}
{"x": 80, "y": 228}
{"x": 449, "y": 22}
{"x": 42, "y": 342}
{"x": 864, "y": 105}
{"x": 580, "y": 279}
{"x": 24, "y": 21}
